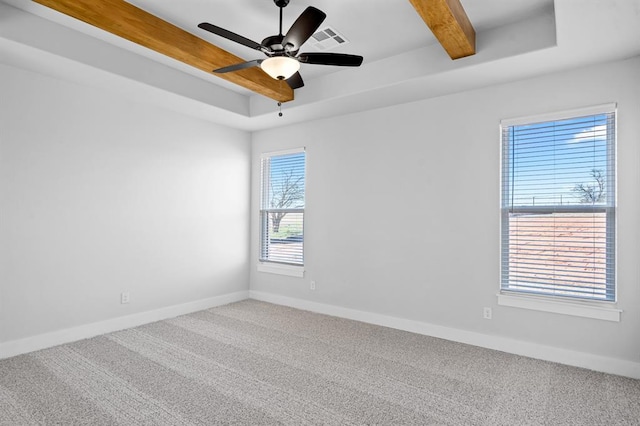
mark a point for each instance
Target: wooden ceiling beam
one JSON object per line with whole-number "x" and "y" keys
{"x": 450, "y": 24}
{"x": 134, "y": 24}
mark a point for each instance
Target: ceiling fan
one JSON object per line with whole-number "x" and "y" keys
{"x": 283, "y": 61}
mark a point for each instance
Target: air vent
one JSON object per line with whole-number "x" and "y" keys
{"x": 327, "y": 39}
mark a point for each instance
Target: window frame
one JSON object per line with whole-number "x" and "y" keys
{"x": 565, "y": 304}
{"x": 264, "y": 263}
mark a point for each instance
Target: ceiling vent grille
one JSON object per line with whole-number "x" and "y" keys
{"x": 327, "y": 39}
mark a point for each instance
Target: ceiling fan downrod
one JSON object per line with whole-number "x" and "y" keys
{"x": 281, "y": 5}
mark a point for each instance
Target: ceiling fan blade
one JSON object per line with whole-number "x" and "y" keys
{"x": 295, "y": 81}
{"x": 303, "y": 28}
{"x": 238, "y": 67}
{"x": 232, "y": 36}
{"x": 338, "y": 59}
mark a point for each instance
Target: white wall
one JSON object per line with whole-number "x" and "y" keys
{"x": 100, "y": 195}
{"x": 402, "y": 213}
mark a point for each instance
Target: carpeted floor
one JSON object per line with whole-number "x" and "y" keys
{"x": 256, "y": 363}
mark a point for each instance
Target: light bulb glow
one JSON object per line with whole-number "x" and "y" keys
{"x": 280, "y": 67}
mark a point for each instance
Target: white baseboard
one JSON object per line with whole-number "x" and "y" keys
{"x": 518, "y": 347}
{"x": 54, "y": 338}
{"x": 532, "y": 350}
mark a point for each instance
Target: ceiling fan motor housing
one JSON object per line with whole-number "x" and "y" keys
{"x": 277, "y": 49}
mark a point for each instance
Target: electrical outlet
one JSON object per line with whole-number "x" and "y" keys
{"x": 486, "y": 313}
{"x": 312, "y": 286}
{"x": 124, "y": 297}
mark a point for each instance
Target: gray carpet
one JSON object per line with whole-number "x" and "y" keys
{"x": 257, "y": 363}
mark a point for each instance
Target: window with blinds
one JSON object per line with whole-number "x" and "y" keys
{"x": 282, "y": 207}
{"x": 558, "y": 205}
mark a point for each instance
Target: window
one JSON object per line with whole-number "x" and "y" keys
{"x": 558, "y": 205}
{"x": 282, "y": 207}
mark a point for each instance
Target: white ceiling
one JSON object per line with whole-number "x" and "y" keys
{"x": 375, "y": 29}
{"x": 515, "y": 39}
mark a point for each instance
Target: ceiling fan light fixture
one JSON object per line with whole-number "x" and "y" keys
{"x": 280, "y": 67}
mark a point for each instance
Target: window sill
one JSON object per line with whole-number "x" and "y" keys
{"x": 574, "y": 308}
{"x": 280, "y": 269}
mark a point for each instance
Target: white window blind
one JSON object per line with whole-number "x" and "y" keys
{"x": 282, "y": 207}
{"x": 558, "y": 207}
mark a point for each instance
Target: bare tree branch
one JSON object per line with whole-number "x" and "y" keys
{"x": 595, "y": 193}
{"x": 288, "y": 192}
